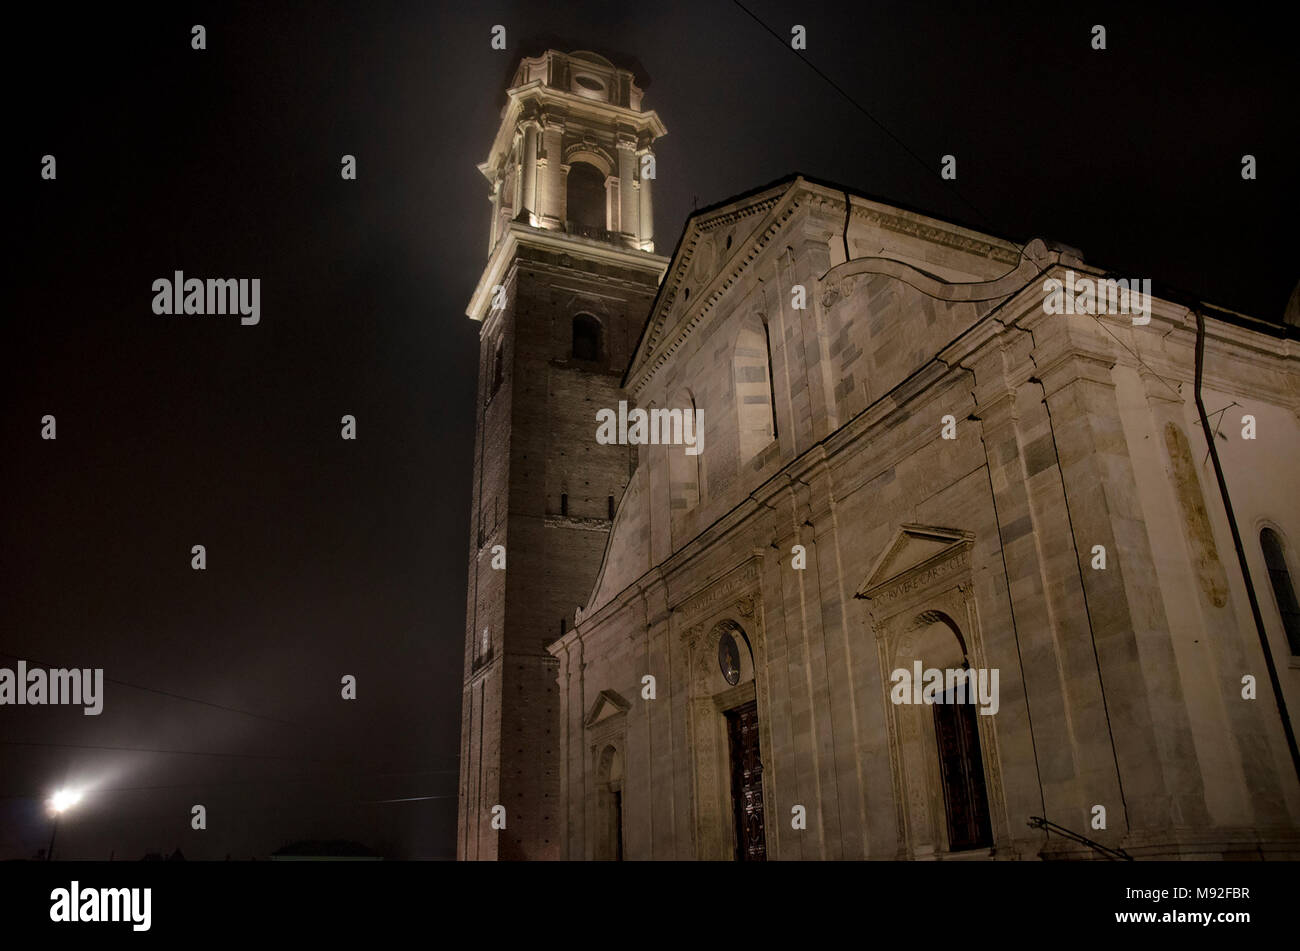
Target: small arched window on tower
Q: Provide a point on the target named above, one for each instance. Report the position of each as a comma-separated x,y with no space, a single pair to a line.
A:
586,337
1283,590
498,366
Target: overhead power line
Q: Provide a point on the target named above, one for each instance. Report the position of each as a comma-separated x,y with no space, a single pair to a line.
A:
929,167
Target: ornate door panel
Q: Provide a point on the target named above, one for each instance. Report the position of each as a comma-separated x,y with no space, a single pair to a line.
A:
747,782
965,798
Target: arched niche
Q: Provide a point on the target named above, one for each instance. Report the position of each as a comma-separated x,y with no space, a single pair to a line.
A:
684,469
752,376
609,792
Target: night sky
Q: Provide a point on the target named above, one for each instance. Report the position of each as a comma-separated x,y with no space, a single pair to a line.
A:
327,557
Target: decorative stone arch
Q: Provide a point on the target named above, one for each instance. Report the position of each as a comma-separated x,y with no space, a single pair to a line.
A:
591,154
932,617
920,605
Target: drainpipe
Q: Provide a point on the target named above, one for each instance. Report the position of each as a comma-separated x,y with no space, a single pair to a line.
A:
1241,552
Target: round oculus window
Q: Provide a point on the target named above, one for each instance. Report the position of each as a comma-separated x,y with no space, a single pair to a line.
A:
729,658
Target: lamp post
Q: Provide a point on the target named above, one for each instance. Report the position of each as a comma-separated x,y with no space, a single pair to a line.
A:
60,802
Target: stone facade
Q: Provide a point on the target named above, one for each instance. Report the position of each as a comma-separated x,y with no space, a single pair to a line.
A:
906,458
1120,686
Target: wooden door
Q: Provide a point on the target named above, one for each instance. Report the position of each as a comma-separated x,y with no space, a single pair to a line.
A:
965,797
746,782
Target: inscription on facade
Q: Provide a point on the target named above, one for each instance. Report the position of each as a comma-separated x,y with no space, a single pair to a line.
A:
743,577
914,582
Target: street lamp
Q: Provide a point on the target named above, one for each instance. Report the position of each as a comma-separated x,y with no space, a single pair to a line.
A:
60,802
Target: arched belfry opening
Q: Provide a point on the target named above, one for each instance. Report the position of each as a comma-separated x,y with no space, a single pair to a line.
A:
585,200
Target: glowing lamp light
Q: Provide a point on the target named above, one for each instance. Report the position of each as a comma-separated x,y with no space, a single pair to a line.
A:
64,800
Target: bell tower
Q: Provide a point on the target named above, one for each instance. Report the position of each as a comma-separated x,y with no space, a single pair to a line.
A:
570,278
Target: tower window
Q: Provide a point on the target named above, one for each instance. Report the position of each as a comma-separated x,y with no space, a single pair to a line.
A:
1283,590
564,503
610,501
499,365
586,337
585,196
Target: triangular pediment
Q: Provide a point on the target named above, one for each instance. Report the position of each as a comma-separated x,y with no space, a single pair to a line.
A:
716,246
913,549
608,704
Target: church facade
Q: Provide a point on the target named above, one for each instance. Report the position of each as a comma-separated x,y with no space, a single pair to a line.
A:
948,574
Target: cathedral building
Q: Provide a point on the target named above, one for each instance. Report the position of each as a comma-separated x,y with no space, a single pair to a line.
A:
978,551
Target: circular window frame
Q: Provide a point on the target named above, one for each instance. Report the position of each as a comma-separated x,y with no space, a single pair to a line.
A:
589,86
729,658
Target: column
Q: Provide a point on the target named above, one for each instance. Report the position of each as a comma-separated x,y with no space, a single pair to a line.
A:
494,231
562,212
613,208
645,230
551,176
629,197
529,170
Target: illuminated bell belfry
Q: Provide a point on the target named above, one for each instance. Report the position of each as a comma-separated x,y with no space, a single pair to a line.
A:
570,278
570,151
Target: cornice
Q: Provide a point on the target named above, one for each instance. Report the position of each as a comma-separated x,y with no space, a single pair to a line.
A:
736,581
537,95
913,224
517,235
